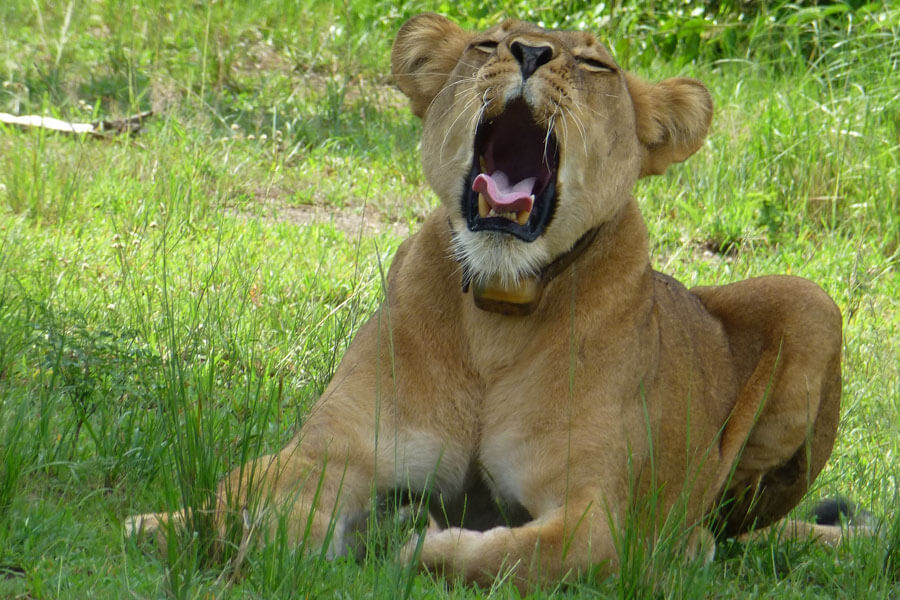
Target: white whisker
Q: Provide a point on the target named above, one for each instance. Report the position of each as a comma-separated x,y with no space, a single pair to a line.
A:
550,126
447,88
580,125
461,112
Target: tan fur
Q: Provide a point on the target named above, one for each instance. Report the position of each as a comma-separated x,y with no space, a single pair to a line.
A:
624,399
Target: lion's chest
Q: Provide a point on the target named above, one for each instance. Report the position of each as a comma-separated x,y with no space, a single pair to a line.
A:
532,451
547,419
504,458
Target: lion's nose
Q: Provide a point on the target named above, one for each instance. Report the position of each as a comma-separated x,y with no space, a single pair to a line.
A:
530,57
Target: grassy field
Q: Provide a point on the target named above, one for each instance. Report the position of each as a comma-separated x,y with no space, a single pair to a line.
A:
171,304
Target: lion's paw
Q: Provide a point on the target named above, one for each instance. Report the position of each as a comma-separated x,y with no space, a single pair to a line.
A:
438,549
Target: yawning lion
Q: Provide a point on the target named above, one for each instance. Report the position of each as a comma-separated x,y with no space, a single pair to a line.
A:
527,353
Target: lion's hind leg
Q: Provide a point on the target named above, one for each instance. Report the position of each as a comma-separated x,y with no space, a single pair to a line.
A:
831,521
785,338
796,529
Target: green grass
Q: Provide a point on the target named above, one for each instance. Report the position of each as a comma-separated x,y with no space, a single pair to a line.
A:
171,305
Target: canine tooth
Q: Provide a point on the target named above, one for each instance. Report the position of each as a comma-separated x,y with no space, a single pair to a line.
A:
482,164
484,208
522,217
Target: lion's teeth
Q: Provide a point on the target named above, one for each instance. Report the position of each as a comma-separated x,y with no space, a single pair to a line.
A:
522,217
484,208
482,164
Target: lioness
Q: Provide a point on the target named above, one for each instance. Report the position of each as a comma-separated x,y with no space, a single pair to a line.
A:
526,347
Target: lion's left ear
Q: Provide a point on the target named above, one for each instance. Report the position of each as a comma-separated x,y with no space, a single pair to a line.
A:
426,50
672,117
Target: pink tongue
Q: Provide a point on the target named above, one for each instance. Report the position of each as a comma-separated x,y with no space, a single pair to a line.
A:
503,197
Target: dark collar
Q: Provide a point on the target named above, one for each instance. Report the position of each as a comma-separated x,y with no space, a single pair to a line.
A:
521,299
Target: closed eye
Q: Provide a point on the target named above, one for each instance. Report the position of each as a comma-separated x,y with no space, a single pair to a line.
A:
487,46
594,65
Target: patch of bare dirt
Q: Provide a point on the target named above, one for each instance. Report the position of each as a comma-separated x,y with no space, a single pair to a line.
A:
351,221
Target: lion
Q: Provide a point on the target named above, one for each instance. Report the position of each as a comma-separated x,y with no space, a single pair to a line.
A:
528,370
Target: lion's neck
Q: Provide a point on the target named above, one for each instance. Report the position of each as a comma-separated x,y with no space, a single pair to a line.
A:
615,269
612,255
609,279
620,257
524,296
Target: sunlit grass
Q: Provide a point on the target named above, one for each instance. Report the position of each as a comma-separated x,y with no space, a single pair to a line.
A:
171,305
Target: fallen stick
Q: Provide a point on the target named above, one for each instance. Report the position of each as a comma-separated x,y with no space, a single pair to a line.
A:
99,129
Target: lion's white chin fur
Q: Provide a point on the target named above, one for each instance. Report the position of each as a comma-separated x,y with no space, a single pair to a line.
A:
496,257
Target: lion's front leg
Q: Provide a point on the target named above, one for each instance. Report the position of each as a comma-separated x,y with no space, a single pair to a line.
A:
300,486
314,493
550,548
327,500
321,485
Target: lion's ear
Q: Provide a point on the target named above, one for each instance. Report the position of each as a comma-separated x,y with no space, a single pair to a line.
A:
426,50
673,118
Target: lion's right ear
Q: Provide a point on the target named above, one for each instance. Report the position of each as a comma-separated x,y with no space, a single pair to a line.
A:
426,50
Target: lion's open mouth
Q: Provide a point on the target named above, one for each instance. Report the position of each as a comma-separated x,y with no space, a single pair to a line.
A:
512,184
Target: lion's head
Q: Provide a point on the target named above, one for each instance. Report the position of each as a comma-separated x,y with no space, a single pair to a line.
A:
531,137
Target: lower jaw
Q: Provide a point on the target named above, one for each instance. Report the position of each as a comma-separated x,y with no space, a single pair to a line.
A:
535,222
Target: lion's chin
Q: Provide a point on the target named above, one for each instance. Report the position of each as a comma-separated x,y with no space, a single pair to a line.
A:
496,258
